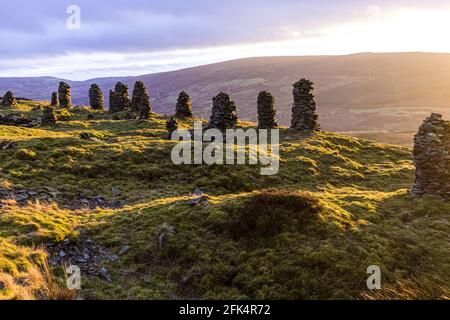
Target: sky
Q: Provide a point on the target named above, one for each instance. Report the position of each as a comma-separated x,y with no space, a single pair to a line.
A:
84,39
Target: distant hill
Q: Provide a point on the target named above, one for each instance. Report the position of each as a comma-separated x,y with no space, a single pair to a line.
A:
362,92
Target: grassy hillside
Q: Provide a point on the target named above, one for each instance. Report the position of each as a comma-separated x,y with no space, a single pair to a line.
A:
338,205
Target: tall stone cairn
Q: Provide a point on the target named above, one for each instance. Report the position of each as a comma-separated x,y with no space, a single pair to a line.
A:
64,95
432,157
48,116
171,126
266,111
96,97
183,109
8,100
304,116
140,102
119,99
54,103
223,113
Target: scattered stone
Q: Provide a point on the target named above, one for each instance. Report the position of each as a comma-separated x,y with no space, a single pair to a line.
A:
119,98
140,101
115,192
199,198
304,116
124,250
171,126
183,109
96,97
55,100
104,273
197,192
85,136
5,145
64,95
266,111
8,100
62,254
165,231
432,157
48,117
223,113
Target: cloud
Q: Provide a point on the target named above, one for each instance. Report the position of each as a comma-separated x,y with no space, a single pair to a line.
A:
35,38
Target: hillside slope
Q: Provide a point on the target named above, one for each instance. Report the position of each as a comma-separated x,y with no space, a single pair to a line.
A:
118,207
362,92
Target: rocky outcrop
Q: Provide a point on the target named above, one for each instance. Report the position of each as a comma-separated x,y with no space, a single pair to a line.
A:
304,116
17,120
96,97
140,102
64,95
432,157
223,113
119,98
8,100
266,111
183,109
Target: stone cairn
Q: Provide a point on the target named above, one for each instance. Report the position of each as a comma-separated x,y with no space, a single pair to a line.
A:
54,103
171,126
304,116
48,116
96,97
119,99
8,100
140,102
64,96
183,109
223,113
432,157
266,111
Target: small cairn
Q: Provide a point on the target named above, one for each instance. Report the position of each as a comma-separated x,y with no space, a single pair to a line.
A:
432,158
96,97
266,111
64,95
54,103
119,99
183,109
140,102
8,100
171,126
304,116
223,112
48,116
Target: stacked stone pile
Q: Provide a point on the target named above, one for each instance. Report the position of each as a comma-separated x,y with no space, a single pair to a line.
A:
96,97
8,100
223,112
183,109
266,111
140,102
48,117
54,103
64,95
432,157
171,126
304,116
119,98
